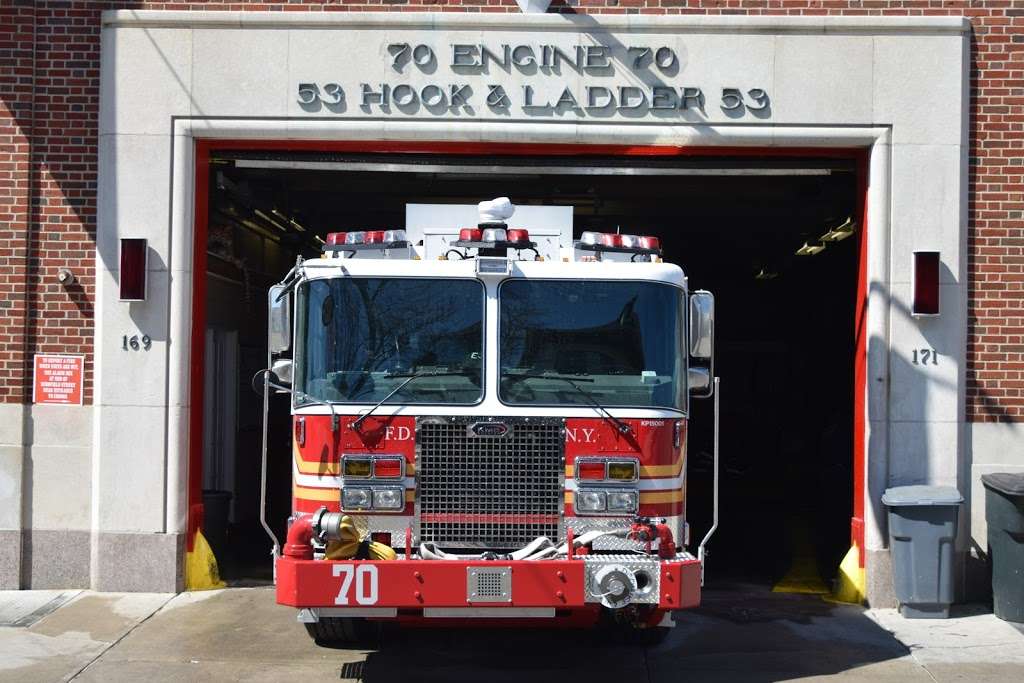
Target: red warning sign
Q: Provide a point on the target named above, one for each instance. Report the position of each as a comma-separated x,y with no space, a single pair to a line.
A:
57,379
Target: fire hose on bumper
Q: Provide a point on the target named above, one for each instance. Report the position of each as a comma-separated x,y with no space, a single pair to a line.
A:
542,574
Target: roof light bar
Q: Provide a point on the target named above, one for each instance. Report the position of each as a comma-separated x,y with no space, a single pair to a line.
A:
359,240
620,244
494,238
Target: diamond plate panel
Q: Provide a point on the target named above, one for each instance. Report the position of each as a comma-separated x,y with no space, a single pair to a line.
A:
650,567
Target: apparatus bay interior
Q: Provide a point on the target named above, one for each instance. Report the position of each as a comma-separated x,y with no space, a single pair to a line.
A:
784,322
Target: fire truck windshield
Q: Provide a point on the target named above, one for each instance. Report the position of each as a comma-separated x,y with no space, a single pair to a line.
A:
361,339
624,339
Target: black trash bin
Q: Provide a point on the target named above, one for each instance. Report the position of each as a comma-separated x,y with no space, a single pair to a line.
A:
1004,515
922,530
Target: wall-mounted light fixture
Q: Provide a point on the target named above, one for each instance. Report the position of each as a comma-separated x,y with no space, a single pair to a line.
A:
65,277
134,253
925,277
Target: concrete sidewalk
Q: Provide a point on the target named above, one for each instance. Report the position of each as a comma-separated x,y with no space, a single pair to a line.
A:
743,633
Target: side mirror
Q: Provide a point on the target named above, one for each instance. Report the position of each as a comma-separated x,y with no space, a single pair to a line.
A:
279,315
702,344
699,381
282,370
268,378
702,325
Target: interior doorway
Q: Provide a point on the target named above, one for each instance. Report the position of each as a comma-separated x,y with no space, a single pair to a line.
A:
737,224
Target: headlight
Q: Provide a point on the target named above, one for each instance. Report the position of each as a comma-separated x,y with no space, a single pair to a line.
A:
590,501
622,501
355,498
388,499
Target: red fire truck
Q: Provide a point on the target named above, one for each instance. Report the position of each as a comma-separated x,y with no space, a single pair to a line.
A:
487,432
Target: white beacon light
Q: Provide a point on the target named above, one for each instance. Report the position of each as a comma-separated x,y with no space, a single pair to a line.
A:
356,237
495,235
394,236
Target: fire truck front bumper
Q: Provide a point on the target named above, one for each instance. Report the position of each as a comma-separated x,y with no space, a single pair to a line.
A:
476,588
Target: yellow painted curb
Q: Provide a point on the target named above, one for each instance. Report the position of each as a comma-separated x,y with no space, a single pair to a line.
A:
851,582
201,573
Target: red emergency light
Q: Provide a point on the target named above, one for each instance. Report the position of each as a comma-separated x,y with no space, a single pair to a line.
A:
336,238
470,234
374,237
649,242
518,235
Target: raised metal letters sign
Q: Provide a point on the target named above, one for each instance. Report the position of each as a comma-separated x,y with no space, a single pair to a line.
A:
501,79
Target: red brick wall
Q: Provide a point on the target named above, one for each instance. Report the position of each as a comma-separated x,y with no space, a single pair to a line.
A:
49,86
48,121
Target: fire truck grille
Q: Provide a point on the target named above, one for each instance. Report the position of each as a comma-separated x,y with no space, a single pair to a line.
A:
478,488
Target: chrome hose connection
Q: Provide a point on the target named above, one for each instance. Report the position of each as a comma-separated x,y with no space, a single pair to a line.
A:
617,585
327,525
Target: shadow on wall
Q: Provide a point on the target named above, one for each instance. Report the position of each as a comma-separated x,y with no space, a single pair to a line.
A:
921,384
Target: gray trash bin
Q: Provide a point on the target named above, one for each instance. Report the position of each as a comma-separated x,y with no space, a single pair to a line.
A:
922,528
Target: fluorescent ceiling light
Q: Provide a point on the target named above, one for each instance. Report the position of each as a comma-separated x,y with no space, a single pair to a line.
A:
810,250
270,220
840,232
524,171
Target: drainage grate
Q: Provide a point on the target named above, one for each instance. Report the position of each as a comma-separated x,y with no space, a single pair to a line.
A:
20,609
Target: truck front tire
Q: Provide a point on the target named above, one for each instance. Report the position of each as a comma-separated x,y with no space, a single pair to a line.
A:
344,631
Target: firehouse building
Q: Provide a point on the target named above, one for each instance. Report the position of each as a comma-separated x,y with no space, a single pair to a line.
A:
844,176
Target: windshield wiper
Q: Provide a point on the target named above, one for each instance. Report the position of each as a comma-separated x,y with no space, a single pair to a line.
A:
571,381
415,375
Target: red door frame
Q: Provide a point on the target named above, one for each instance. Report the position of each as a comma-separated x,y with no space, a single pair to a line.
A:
203,148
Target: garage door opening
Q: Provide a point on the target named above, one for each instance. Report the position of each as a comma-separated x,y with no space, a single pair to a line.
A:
747,228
